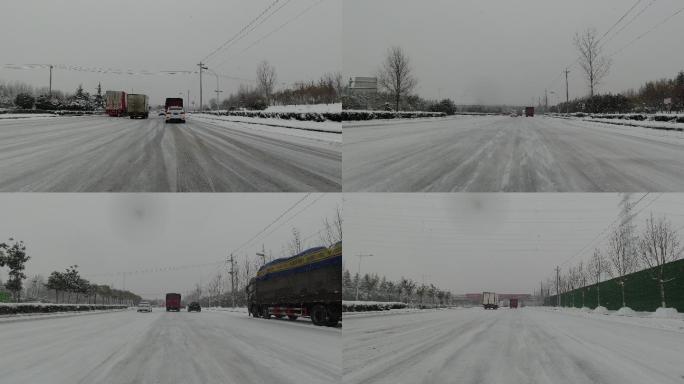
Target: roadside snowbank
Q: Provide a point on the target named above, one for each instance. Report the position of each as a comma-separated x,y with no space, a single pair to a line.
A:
667,319
12,116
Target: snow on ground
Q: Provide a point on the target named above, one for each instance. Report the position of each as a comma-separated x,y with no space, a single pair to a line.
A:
169,347
7,116
318,108
659,319
526,346
327,131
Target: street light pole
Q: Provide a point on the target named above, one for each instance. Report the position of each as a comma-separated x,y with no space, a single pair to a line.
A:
201,67
358,274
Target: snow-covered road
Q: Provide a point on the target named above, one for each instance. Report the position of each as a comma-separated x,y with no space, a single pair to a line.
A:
514,154
525,346
170,348
105,154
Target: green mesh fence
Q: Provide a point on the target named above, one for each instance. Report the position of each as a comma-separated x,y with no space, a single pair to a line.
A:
642,292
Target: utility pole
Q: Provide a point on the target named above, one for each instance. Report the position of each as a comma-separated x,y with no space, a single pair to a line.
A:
201,67
188,102
360,255
567,93
546,101
50,88
231,260
557,287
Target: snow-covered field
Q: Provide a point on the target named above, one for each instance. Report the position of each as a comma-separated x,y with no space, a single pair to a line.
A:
278,125
168,347
526,346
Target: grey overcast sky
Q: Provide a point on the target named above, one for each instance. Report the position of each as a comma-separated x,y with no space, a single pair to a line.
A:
106,234
477,242
507,52
159,35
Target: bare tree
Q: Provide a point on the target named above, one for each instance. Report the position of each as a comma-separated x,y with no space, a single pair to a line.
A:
596,268
396,75
266,78
332,231
296,244
581,272
659,244
592,60
622,259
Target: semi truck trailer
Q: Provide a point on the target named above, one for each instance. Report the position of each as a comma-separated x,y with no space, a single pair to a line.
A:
529,111
138,106
115,103
490,300
308,284
173,302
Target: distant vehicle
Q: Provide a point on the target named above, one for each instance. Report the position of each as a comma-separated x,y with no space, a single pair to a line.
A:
194,306
173,102
514,114
308,284
144,306
138,106
490,300
115,103
173,302
513,303
529,111
162,113
176,114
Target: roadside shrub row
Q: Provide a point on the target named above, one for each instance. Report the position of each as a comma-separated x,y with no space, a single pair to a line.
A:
367,306
674,118
353,115
43,111
52,308
318,117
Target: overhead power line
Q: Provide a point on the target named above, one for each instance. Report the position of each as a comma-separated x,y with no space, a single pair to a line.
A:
240,32
283,25
605,230
661,23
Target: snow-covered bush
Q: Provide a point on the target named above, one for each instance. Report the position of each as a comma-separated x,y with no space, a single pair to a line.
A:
355,115
300,116
13,309
366,306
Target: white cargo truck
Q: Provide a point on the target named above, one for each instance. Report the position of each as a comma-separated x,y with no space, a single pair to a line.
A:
490,300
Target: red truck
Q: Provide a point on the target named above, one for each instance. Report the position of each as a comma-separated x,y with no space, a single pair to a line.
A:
529,111
173,102
115,103
513,303
173,302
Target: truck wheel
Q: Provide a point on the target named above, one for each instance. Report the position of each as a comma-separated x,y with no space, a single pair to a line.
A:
292,318
278,316
264,313
319,315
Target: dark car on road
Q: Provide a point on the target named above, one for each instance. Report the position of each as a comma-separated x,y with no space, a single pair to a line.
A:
194,306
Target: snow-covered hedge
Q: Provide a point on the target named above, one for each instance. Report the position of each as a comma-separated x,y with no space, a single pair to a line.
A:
41,112
355,115
673,118
291,115
13,309
366,306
